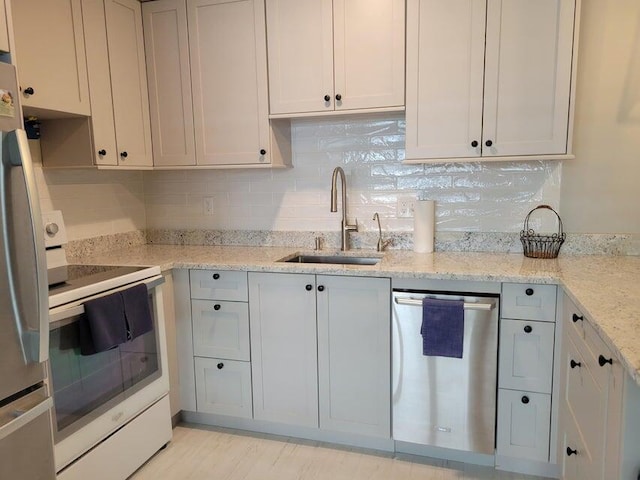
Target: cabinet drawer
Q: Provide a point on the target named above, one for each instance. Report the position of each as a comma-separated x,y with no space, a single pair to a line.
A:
526,355
523,424
529,301
219,285
220,329
223,387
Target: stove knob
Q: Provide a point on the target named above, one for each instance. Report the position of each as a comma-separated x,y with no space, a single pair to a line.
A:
51,229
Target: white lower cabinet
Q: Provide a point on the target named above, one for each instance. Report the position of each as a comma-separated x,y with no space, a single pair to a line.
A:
220,342
523,424
284,348
592,402
525,419
223,387
353,355
324,360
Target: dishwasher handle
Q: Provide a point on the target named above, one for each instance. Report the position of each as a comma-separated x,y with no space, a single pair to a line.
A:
417,302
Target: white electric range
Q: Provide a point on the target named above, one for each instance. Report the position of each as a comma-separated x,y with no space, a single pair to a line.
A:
110,404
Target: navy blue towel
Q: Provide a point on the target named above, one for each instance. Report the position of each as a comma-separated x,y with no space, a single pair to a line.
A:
137,311
104,325
442,327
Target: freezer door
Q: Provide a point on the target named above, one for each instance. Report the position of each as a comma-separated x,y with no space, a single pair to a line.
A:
26,441
23,283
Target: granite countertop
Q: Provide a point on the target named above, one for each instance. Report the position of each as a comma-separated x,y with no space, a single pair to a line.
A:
605,288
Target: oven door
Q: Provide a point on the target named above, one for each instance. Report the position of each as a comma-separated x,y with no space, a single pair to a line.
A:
94,395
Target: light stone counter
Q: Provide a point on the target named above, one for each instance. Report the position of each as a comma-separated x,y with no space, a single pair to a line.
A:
605,288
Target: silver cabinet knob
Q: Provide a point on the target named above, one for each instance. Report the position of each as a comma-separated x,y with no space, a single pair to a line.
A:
51,229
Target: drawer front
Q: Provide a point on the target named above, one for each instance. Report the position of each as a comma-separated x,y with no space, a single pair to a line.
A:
529,302
523,425
526,355
220,329
223,387
219,285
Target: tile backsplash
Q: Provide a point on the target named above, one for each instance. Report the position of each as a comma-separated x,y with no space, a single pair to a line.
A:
474,197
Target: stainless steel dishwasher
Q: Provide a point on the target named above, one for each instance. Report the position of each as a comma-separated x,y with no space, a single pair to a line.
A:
442,401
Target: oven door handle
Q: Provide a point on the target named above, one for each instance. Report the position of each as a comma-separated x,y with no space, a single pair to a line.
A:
63,312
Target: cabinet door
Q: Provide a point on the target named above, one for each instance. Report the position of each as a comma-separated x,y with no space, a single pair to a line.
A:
223,387
526,355
227,42
585,404
103,129
50,55
524,420
575,458
129,82
300,50
369,55
445,68
167,55
354,367
527,76
284,364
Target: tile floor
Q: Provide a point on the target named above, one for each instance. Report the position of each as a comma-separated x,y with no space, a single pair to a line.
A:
200,452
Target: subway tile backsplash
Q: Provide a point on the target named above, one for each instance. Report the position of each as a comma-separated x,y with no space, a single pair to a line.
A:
474,197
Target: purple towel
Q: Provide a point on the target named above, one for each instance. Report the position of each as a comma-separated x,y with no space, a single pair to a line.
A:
104,325
442,327
137,311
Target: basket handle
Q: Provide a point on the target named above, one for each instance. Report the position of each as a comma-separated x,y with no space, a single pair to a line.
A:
526,220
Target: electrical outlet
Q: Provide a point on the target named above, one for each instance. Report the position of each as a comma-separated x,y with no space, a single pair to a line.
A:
208,205
404,208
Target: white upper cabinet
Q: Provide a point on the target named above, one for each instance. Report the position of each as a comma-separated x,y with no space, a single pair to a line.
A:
50,56
328,56
489,78
128,82
118,81
207,70
167,51
227,44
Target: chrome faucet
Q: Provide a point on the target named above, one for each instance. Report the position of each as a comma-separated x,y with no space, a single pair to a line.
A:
381,243
345,226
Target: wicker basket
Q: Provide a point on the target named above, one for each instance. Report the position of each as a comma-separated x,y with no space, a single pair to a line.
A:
541,246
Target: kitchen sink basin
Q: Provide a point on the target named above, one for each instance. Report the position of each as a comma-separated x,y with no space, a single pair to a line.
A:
332,259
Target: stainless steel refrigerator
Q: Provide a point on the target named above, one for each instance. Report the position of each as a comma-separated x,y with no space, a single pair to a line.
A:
26,439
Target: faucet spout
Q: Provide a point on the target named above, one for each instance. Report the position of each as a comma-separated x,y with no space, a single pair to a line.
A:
345,226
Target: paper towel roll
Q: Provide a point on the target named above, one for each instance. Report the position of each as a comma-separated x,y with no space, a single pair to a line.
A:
424,220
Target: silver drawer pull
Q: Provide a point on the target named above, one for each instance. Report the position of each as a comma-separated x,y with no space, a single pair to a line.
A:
416,302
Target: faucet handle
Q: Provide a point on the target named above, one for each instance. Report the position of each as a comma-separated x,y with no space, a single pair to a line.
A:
351,228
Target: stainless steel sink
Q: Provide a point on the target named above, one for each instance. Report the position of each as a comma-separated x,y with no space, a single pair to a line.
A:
332,259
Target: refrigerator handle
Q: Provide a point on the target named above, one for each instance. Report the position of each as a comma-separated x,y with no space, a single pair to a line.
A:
34,333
